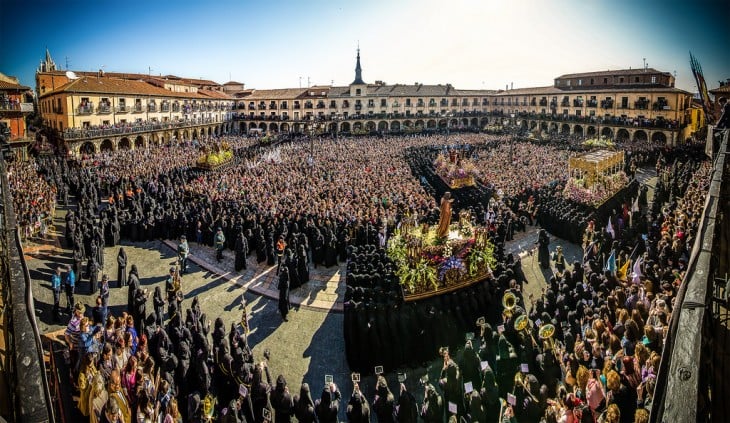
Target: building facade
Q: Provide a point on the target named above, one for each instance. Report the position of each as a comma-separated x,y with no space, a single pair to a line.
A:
16,103
93,112
626,104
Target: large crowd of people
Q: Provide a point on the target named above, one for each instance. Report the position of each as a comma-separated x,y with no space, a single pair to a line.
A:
305,204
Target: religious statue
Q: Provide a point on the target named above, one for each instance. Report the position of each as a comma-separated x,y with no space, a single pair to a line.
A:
444,215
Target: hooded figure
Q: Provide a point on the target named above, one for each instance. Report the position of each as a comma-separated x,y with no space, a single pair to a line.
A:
304,406
358,409
284,292
121,267
384,404
328,405
282,402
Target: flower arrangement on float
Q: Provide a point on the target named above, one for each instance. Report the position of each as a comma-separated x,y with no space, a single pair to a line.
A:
599,142
426,263
595,193
215,156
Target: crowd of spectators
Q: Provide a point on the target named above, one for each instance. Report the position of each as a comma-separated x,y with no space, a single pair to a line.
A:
331,194
34,197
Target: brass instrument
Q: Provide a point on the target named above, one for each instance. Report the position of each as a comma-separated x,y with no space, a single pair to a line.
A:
546,334
177,283
524,324
509,302
520,380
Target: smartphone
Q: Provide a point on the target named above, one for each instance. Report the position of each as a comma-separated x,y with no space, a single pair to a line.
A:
355,377
328,379
401,377
379,370
267,414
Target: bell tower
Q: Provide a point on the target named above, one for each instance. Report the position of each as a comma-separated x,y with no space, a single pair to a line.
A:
358,87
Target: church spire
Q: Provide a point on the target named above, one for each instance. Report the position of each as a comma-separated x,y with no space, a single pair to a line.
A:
358,69
47,65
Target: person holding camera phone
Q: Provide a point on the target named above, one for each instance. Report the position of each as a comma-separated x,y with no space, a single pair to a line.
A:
358,408
384,402
327,407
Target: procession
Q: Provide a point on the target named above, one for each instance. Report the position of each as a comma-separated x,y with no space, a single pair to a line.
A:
588,346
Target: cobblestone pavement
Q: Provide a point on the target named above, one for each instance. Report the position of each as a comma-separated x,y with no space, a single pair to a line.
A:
305,348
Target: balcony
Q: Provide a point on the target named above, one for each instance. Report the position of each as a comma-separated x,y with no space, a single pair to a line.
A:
641,104
297,106
138,108
565,103
607,104
9,106
85,133
308,105
358,107
84,110
533,103
660,105
165,108
272,106
104,109
553,104
577,103
176,108
122,109
151,108
591,103
543,102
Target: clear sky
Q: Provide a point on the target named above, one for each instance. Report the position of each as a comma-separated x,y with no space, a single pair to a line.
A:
272,44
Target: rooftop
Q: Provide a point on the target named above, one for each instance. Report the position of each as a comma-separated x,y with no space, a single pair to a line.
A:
612,72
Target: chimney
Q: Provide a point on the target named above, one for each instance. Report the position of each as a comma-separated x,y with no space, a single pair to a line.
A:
511,85
506,87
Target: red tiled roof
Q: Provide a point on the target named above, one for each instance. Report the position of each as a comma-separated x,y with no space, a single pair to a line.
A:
8,86
612,72
105,85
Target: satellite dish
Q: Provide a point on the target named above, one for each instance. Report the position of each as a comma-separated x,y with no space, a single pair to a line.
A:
71,75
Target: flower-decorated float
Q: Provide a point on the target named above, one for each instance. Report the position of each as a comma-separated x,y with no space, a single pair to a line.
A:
455,170
595,177
215,156
429,265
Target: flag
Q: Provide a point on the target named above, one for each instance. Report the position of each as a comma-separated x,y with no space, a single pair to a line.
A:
609,229
702,88
611,263
623,271
636,273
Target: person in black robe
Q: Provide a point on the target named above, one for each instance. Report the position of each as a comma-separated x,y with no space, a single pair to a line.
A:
284,293
330,253
93,276
302,265
543,253
78,258
140,310
291,263
282,401
133,286
158,303
241,249
270,252
121,267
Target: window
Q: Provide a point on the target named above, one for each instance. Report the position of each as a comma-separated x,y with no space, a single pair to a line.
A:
105,122
408,102
358,91
653,79
580,82
636,79
591,81
383,102
605,81
569,82
621,80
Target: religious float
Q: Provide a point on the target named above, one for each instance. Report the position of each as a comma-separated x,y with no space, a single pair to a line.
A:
455,170
428,264
215,156
595,177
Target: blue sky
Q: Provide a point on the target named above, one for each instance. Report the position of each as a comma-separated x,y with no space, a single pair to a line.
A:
272,44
